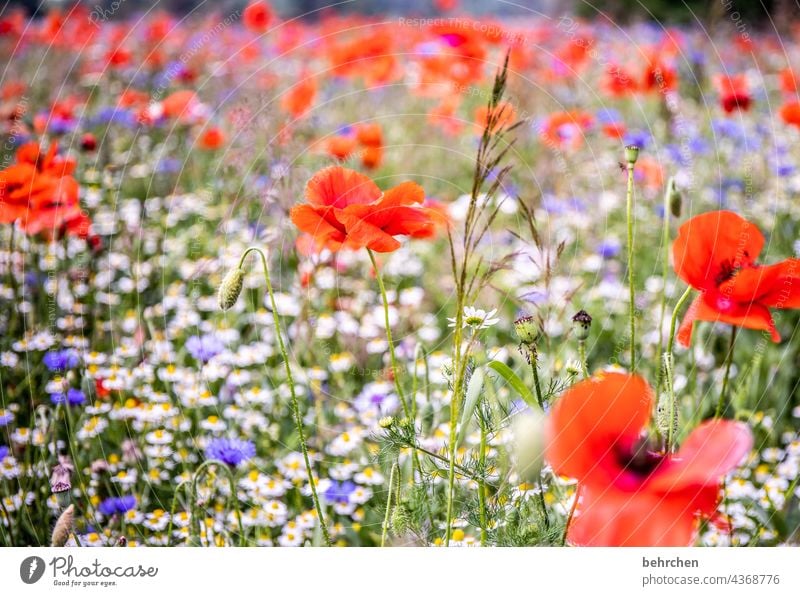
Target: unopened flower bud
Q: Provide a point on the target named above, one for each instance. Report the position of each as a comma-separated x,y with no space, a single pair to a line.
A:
386,422
675,199
527,330
663,418
631,154
400,521
528,431
230,288
581,324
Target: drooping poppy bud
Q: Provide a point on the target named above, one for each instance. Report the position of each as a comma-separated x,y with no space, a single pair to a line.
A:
230,288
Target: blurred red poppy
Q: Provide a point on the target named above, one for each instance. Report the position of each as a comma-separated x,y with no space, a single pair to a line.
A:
630,493
734,93
715,253
257,17
39,192
346,209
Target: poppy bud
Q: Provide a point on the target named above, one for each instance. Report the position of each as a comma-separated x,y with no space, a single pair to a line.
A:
88,142
527,330
631,154
675,199
663,416
230,288
400,520
581,324
528,431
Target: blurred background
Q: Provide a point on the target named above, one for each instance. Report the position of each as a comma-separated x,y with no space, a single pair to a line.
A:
767,12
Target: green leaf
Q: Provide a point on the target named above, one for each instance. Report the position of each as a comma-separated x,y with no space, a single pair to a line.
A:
516,383
474,390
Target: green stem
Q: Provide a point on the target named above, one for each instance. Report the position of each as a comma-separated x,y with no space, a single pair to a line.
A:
536,385
571,514
631,276
388,506
482,482
182,484
298,419
729,359
664,276
668,362
582,358
396,377
195,522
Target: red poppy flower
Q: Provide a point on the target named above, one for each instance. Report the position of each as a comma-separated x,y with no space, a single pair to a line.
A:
631,495
211,139
39,192
565,130
716,253
734,93
347,209
257,17
299,99
790,113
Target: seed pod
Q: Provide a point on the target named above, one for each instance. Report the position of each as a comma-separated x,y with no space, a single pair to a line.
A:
527,330
581,324
631,154
230,288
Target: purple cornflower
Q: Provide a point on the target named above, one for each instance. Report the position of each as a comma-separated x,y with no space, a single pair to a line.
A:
3,452
204,348
73,397
60,360
120,505
231,451
339,492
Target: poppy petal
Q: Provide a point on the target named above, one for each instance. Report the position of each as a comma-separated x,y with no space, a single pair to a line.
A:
338,187
590,418
712,244
319,222
716,308
608,517
776,286
711,451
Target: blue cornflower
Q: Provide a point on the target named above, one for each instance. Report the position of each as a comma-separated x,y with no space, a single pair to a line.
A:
3,452
120,505
608,249
231,451
60,360
5,417
639,138
73,397
339,492
204,348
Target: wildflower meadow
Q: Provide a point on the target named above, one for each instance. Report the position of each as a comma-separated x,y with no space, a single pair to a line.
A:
364,278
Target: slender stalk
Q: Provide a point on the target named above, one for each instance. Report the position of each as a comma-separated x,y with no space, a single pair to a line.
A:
571,514
664,275
582,358
298,419
396,377
388,506
195,522
725,379
536,385
631,276
482,482
667,358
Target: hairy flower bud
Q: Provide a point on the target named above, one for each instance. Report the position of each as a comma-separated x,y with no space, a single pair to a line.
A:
663,416
400,520
230,288
63,527
528,431
581,324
